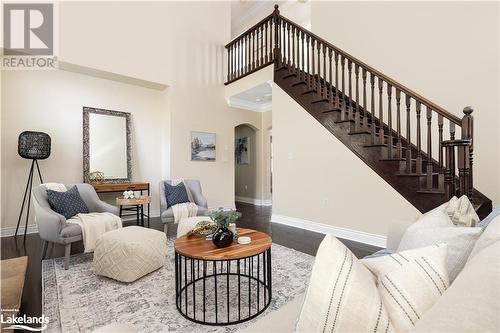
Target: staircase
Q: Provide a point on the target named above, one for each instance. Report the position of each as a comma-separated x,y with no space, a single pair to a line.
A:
419,148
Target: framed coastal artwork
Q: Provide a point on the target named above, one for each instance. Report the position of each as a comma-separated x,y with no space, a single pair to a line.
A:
242,152
202,146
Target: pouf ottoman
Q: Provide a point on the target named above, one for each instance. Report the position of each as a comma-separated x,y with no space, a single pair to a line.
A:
127,254
188,224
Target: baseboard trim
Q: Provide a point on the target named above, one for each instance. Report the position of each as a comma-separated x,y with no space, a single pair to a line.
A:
253,201
10,231
350,234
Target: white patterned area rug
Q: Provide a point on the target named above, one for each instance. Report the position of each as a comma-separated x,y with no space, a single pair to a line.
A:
77,300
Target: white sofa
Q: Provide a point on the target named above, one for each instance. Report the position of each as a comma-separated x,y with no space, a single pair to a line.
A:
470,304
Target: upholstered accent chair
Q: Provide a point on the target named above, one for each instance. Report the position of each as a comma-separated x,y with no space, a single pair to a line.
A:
166,213
54,229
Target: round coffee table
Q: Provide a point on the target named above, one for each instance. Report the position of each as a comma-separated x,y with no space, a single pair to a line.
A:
223,286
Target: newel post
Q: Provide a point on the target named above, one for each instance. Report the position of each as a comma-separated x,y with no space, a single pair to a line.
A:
467,133
277,30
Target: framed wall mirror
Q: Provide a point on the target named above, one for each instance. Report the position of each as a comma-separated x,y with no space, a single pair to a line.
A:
106,146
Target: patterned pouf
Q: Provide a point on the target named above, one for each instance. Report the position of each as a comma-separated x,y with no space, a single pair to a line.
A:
129,253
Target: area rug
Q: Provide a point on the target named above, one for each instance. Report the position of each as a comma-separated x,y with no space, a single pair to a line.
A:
77,300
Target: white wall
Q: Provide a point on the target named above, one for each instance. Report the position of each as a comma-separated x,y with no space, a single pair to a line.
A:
52,102
317,178
446,51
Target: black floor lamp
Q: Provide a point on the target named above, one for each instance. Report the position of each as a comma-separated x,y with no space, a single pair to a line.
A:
34,146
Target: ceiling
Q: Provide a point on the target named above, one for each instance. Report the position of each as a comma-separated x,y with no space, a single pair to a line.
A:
258,98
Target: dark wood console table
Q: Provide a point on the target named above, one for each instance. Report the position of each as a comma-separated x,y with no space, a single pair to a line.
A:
120,187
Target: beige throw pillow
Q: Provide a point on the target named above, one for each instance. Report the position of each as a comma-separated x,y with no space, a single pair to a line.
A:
436,227
342,295
410,282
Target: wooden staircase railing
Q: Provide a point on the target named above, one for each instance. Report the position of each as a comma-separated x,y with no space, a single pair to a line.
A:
377,105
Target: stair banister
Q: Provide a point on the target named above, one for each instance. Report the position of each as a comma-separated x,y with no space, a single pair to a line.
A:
314,62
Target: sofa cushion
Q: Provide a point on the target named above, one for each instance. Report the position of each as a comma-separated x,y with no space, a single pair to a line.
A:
342,295
471,304
176,194
462,212
410,282
436,227
68,203
490,235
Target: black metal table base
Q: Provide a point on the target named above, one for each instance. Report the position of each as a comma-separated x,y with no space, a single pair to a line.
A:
223,292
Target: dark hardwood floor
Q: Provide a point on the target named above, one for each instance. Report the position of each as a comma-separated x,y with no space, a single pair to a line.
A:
255,217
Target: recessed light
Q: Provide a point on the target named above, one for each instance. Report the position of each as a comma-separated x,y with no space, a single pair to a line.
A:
258,100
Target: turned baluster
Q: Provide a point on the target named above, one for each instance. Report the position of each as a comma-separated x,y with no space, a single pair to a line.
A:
330,85
303,68
365,110
440,155
298,53
343,107
325,92
312,78
284,45
249,52
350,108
318,79
308,40
357,116
429,149
468,133
254,63
449,171
293,48
408,134
337,95
389,120
263,43
380,111
228,64
398,123
288,45
418,163
372,105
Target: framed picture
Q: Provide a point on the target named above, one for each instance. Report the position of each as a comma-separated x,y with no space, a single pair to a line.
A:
202,146
242,150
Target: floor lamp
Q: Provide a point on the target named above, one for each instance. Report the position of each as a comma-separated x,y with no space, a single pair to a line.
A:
34,146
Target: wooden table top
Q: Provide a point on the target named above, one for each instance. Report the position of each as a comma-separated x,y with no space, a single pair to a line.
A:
120,187
141,200
197,247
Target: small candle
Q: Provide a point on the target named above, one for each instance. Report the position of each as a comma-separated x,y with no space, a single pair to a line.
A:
232,227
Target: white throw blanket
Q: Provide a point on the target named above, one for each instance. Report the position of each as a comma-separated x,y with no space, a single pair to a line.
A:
94,225
58,187
184,210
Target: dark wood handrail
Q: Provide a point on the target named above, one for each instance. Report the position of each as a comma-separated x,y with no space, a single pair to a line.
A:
380,75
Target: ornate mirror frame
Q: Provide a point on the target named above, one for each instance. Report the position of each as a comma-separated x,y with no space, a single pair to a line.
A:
86,148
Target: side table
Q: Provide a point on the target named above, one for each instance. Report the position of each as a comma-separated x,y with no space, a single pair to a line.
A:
135,204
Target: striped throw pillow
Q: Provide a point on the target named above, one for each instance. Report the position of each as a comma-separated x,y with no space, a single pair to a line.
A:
342,295
410,282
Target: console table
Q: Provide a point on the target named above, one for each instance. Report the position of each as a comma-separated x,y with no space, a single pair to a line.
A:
120,187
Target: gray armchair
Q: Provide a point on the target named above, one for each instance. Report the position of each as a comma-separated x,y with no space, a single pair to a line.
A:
52,226
166,213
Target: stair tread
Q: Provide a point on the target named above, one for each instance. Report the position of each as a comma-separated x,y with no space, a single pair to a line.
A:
298,83
331,110
432,191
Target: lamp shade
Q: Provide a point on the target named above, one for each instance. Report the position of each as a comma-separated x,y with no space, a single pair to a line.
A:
34,145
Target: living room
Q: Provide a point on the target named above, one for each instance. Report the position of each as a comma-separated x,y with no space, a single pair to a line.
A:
212,132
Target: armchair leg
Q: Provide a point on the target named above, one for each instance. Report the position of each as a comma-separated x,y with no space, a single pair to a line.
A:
44,251
67,252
